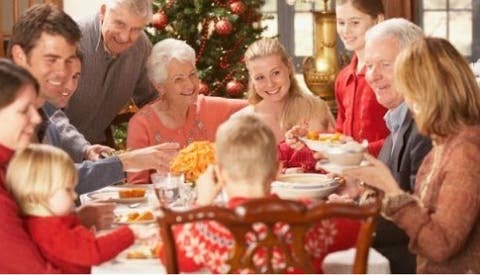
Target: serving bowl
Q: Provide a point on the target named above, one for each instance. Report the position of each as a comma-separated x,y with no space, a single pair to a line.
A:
296,186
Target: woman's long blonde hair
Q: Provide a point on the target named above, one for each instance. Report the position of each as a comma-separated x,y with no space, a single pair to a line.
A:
437,80
299,105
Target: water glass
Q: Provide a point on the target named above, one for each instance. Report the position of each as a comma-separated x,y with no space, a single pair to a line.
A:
166,187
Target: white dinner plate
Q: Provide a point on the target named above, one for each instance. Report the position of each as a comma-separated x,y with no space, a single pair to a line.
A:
114,197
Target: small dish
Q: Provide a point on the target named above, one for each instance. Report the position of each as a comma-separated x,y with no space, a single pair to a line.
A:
138,254
336,168
113,196
135,217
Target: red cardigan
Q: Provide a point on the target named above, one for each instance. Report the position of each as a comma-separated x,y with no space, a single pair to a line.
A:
359,113
204,246
72,247
18,253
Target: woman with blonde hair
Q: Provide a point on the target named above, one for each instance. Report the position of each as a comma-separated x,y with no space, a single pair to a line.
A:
442,216
42,180
274,93
276,97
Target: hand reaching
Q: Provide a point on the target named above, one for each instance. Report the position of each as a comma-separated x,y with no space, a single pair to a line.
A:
93,152
292,137
377,175
157,157
97,214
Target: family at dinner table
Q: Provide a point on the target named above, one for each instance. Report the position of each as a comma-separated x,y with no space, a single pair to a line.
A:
414,98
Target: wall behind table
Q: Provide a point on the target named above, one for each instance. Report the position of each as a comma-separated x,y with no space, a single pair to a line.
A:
81,8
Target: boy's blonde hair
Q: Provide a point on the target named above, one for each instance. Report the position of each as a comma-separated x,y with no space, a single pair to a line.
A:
300,106
437,79
246,149
35,173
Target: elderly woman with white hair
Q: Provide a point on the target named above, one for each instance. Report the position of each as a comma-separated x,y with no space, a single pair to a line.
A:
180,114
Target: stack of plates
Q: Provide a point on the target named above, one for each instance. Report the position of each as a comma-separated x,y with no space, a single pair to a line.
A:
295,186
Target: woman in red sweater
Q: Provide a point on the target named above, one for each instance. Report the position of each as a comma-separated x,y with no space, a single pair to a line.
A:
42,179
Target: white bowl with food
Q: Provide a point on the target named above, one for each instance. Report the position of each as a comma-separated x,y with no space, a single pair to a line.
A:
349,154
296,186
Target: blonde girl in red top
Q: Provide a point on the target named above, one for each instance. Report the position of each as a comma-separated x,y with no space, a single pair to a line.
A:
359,113
42,180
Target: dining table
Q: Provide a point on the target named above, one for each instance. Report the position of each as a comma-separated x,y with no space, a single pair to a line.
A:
335,263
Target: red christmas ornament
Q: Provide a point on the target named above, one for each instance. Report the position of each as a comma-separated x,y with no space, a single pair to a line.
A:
204,89
238,7
223,27
234,88
160,20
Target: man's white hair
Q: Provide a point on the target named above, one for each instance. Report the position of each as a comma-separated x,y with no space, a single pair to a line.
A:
142,8
404,31
162,53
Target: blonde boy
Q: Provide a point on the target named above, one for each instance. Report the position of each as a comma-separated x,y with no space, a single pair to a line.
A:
247,161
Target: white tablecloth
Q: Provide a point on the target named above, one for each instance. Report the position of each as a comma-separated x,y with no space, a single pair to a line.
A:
338,262
335,263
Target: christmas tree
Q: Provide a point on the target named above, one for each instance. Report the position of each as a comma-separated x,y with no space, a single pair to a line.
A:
219,31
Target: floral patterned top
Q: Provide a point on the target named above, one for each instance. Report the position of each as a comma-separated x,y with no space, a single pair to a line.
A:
205,246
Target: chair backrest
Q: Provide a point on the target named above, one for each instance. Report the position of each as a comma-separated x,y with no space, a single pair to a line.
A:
270,211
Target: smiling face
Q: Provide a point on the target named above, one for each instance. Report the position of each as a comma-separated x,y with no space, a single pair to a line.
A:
120,28
352,25
19,119
270,77
380,55
182,83
50,62
72,83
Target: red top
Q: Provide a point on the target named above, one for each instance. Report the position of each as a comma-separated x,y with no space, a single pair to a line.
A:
203,118
18,253
73,248
359,113
205,246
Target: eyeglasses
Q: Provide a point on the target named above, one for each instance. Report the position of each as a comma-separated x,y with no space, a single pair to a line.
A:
182,80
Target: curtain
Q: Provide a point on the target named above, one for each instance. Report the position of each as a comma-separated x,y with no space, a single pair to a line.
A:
402,8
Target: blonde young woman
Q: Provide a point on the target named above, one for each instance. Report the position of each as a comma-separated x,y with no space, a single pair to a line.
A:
275,96
441,218
180,114
42,180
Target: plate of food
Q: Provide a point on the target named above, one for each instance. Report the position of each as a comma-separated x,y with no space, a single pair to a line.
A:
134,217
121,195
140,253
322,142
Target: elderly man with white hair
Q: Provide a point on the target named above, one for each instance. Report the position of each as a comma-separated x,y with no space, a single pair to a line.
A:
404,149
115,50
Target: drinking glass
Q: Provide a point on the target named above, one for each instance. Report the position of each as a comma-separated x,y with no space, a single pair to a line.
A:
166,187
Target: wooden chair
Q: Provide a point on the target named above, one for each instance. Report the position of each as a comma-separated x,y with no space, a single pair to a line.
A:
269,212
